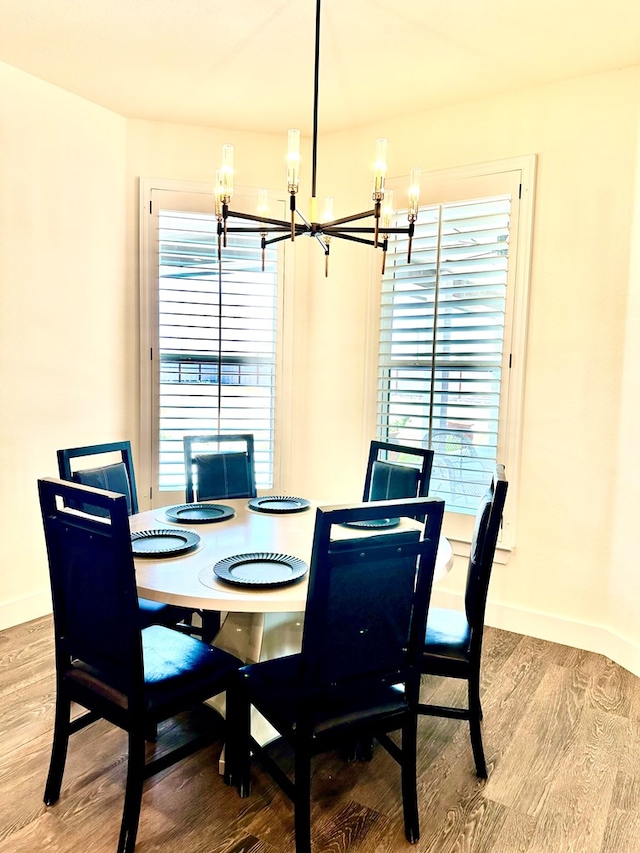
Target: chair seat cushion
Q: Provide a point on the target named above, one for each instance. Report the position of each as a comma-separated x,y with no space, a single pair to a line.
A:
448,634
176,665
178,670
274,688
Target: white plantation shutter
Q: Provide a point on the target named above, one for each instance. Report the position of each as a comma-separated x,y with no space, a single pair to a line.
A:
443,390
217,340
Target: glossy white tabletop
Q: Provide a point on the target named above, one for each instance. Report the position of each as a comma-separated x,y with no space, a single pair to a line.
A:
189,580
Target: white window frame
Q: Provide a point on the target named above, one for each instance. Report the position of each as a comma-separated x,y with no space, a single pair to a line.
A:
458,527
146,468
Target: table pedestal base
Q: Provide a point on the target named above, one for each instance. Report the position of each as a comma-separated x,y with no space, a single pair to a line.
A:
255,637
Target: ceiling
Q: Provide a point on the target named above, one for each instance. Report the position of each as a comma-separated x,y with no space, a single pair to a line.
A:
248,64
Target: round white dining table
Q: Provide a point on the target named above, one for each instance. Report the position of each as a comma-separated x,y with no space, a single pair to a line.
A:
189,580
259,623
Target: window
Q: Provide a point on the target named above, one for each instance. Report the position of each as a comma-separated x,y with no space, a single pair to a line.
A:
212,361
451,333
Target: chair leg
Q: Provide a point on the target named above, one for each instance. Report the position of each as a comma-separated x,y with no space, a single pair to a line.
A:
302,799
59,748
475,729
238,738
409,780
365,748
133,793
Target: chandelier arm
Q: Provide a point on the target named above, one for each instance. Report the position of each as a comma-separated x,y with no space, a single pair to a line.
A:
341,236
239,230
307,226
353,218
364,230
250,217
280,239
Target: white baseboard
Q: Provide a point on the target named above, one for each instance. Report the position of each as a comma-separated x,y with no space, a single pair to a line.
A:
581,635
24,609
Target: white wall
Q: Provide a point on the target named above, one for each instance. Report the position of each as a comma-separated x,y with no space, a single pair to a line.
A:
571,577
66,319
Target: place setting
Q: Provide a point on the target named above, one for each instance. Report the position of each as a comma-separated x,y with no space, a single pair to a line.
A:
279,503
260,569
163,542
197,513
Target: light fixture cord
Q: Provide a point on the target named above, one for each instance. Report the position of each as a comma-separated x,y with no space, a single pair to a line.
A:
314,150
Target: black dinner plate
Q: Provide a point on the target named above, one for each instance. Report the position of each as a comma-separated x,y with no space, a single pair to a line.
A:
279,503
373,523
260,569
203,513
162,542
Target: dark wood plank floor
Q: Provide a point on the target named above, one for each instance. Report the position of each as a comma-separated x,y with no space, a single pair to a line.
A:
561,730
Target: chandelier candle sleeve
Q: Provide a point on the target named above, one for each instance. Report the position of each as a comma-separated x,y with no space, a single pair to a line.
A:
293,161
387,219
293,173
414,193
263,210
217,194
387,210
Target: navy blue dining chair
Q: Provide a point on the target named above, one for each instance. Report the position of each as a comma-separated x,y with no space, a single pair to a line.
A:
358,674
214,471
133,677
397,471
78,464
453,638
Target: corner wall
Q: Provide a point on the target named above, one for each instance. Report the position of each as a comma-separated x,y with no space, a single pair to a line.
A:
66,318
572,577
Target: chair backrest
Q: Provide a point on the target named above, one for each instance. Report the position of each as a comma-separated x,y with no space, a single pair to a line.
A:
116,476
483,548
397,471
366,607
214,470
95,602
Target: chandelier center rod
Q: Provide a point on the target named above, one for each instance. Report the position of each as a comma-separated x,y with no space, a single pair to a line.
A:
316,88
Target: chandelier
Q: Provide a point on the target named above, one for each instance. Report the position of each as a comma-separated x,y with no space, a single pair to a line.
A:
324,229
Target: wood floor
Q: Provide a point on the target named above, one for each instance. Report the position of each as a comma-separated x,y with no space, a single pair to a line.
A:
561,731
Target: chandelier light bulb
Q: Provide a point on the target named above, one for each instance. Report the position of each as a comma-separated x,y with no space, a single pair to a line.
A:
414,193
293,160
379,169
